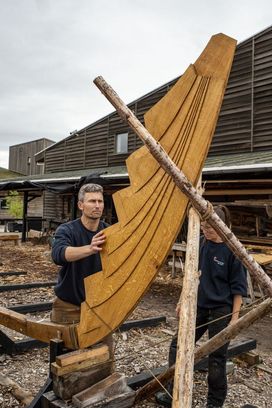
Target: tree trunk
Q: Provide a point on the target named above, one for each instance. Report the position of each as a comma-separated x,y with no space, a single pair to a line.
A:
19,393
184,371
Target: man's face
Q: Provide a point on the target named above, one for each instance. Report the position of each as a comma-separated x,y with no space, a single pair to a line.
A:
92,206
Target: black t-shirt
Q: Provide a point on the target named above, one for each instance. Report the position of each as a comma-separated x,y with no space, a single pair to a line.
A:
222,275
70,286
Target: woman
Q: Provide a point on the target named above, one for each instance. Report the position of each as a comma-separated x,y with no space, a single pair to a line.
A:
221,288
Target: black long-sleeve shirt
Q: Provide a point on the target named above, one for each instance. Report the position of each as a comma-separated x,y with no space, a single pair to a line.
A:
70,285
222,275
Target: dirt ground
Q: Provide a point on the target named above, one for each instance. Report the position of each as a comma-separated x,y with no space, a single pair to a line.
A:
137,349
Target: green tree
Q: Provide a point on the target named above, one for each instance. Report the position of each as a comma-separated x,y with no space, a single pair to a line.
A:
15,204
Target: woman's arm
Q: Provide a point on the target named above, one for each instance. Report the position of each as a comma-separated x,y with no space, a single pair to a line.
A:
237,303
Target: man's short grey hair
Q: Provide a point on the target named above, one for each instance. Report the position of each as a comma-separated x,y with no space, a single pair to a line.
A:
89,188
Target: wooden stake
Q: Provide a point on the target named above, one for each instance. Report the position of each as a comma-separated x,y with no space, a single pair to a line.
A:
203,207
184,371
211,345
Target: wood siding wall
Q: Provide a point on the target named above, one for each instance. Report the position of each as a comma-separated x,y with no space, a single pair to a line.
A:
56,206
245,121
21,157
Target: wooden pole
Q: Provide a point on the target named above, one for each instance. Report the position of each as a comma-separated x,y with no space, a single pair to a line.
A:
203,207
184,371
211,345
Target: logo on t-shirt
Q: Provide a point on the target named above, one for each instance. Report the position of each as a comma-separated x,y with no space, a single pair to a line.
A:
218,261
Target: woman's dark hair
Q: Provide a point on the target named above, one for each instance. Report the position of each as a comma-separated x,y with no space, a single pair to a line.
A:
223,213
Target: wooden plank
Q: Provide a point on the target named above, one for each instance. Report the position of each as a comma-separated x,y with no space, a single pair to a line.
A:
261,248
112,391
9,236
78,356
142,323
72,368
11,347
7,288
12,273
262,259
78,360
31,307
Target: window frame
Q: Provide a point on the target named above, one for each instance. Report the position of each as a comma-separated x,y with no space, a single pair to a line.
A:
116,143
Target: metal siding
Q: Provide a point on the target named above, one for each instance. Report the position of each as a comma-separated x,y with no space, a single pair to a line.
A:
19,154
245,120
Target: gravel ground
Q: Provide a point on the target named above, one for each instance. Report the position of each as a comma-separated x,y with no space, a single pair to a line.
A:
136,350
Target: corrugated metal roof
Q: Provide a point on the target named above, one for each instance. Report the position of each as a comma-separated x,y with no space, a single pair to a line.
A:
71,175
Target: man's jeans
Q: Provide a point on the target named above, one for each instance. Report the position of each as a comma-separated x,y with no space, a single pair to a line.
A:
217,378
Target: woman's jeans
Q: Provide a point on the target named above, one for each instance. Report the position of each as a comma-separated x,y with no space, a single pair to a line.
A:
217,377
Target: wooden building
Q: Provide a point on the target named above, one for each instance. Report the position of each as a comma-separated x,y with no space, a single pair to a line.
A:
22,156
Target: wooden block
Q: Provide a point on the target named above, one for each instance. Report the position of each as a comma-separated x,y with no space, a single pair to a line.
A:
97,354
110,392
251,358
67,385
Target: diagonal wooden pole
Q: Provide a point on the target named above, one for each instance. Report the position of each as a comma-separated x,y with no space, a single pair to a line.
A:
184,368
202,206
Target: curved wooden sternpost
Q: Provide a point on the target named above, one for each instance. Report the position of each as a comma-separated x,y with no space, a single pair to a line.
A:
151,210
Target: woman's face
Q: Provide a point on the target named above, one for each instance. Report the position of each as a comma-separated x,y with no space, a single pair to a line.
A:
210,233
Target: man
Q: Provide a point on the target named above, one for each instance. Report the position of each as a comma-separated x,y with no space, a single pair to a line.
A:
76,248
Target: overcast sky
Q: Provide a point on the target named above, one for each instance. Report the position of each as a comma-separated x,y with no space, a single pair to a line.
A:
51,50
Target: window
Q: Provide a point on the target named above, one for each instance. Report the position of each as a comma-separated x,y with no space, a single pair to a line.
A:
121,143
3,204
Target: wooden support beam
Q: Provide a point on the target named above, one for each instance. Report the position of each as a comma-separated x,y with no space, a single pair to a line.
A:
211,345
184,371
40,330
142,323
7,288
12,273
203,207
12,347
38,401
31,307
